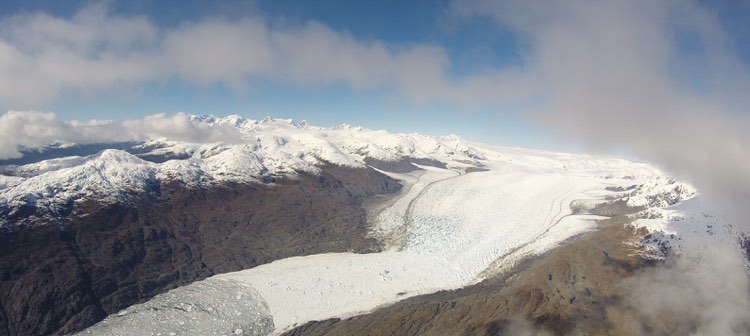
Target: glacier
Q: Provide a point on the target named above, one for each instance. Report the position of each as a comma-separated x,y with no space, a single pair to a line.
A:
477,213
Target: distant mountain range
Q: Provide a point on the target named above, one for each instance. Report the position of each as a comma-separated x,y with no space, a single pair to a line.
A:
87,230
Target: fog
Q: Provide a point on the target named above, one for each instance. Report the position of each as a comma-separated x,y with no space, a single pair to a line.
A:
617,75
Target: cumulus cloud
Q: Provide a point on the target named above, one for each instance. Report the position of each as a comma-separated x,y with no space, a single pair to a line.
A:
29,129
43,57
216,51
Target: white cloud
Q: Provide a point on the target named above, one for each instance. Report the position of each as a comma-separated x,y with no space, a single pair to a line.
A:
178,127
705,295
20,129
614,74
43,57
219,51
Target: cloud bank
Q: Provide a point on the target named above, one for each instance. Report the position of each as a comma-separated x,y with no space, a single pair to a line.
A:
662,80
29,129
657,78
43,57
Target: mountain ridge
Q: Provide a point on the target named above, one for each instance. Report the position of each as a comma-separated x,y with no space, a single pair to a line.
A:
123,225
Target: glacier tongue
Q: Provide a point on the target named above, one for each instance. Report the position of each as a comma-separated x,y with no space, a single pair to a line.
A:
209,307
449,227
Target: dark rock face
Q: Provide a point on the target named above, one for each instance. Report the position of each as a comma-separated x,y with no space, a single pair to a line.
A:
745,245
62,277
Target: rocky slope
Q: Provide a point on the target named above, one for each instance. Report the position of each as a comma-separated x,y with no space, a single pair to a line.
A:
63,276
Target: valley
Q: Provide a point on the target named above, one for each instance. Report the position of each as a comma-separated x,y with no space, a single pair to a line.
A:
338,225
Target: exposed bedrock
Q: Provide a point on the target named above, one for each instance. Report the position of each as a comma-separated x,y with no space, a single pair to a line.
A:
61,277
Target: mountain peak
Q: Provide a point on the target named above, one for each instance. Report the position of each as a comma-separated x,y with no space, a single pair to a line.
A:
267,148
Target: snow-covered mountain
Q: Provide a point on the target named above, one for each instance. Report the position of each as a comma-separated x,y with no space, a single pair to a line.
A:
270,148
465,212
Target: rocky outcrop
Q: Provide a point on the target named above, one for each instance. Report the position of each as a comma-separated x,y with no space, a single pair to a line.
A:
63,276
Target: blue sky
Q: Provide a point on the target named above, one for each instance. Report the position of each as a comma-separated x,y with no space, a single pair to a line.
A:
393,22
436,67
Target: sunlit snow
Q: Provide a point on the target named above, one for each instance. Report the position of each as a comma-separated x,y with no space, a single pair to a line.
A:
449,227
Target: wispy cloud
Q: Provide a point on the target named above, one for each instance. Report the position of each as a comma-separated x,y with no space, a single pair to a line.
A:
706,296
617,74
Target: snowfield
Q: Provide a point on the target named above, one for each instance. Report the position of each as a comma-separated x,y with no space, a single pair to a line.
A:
489,207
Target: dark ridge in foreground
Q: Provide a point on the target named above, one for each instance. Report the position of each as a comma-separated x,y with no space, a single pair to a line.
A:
64,276
571,290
